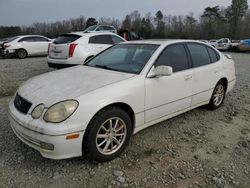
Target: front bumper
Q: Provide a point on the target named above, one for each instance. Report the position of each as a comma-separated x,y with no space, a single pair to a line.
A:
53,147
6,52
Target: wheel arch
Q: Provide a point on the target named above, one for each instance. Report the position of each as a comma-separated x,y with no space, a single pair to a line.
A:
127,108
225,81
22,49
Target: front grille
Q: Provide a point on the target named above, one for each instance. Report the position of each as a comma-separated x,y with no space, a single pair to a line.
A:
21,104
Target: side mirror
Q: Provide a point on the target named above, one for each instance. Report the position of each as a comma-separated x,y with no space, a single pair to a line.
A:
160,70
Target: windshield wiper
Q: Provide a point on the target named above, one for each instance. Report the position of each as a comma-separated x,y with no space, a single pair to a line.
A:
104,67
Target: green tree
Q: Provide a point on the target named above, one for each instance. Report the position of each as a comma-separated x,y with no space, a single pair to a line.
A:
234,14
210,16
90,22
160,25
126,24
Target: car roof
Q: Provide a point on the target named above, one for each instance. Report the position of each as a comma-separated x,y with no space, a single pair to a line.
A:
91,34
161,41
30,36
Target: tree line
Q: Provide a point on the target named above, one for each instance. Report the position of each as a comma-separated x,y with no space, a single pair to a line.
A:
215,22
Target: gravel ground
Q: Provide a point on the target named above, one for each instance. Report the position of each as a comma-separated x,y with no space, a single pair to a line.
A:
200,148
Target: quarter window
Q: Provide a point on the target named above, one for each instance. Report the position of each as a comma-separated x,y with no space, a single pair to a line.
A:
174,56
40,39
199,54
213,55
101,39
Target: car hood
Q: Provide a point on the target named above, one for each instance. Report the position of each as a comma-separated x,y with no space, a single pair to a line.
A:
68,83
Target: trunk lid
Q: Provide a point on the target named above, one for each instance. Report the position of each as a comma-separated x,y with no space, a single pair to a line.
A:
59,49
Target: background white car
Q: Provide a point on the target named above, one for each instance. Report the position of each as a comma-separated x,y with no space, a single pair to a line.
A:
76,48
100,28
26,45
97,107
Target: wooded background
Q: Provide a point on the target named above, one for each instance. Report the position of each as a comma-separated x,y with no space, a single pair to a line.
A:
215,22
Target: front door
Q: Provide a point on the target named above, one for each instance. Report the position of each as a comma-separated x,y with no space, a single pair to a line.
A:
168,95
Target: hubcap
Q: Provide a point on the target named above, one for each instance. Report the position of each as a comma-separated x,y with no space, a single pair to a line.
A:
218,95
111,136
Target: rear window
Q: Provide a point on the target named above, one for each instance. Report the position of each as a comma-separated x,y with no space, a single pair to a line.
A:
66,38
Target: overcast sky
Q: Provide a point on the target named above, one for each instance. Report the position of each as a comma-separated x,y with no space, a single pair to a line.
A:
26,12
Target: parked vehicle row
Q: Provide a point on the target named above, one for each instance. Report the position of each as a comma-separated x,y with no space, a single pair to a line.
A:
31,45
231,45
94,109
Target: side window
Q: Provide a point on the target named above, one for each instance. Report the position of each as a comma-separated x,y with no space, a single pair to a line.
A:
27,39
40,39
174,56
100,28
101,39
213,55
116,39
107,28
199,54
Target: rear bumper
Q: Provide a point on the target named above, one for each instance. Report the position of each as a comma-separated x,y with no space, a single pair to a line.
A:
60,65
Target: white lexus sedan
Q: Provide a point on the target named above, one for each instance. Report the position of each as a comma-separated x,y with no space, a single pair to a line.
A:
93,109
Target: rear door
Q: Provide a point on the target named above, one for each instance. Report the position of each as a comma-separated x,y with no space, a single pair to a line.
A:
59,49
207,71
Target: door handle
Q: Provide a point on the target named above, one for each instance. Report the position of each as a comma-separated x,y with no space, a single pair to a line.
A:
188,77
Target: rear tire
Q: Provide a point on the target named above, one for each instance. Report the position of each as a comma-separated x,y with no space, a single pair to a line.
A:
21,53
218,96
107,135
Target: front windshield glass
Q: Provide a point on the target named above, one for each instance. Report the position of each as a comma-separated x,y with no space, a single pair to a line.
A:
130,58
91,28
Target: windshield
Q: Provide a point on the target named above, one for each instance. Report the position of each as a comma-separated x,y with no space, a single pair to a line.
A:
91,28
9,39
130,58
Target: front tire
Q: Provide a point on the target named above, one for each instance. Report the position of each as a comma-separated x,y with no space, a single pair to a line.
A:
21,54
108,134
218,96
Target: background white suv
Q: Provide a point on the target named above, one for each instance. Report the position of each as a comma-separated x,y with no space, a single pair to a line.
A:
26,45
100,28
76,48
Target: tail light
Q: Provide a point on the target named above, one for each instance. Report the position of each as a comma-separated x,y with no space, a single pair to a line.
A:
49,47
72,49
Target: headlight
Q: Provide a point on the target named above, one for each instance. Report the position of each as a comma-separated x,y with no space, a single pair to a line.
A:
60,111
37,111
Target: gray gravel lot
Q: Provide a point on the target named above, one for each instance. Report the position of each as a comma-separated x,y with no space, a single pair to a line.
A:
200,148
